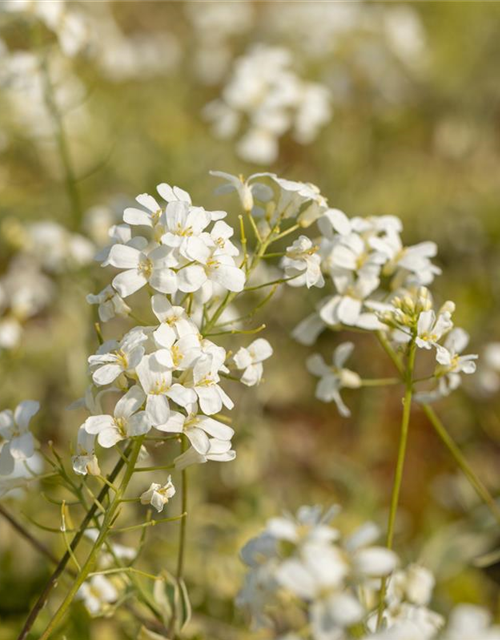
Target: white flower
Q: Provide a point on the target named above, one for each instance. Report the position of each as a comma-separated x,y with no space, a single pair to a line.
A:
415,259
158,495
347,306
219,451
174,320
96,593
85,461
246,189
183,221
113,359
250,359
309,525
16,439
156,381
489,371
308,330
369,561
110,304
334,378
448,355
468,621
211,395
265,93
431,329
212,265
303,264
149,218
197,429
178,354
141,268
414,584
126,422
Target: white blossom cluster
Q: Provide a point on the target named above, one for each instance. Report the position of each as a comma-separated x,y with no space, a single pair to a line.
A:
95,33
167,373
264,99
305,580
378,285
304,564
43,249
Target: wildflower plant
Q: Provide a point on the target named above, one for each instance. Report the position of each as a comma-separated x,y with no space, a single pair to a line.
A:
375,285
177,273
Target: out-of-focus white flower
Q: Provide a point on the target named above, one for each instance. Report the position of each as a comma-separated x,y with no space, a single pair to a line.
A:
335,377
157,495
489,371
16,440
468,621
246,189
304,562
56,248
264,91
110,304
250,360
219,451
96,593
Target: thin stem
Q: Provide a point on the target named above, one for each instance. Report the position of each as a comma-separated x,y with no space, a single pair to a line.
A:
28,536
269,284
62,141
42,599
182,535
380,382
183,528
448,441
382,338
92,557
108,572
149,523
462,463
285,233
162,468
229,332
398,476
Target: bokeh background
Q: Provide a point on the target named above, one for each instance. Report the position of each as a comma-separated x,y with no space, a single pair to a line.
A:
414,131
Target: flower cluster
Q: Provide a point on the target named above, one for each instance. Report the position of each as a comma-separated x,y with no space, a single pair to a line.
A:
167,373
171,374
268,98
42,249
378,285
305,580
304,564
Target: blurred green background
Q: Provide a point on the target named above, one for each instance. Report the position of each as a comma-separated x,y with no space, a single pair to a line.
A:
415,132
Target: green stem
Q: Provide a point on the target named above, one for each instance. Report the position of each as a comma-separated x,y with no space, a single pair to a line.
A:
62,142
398,476
182,536
380,382
462,463
92,557
448,441
42,599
